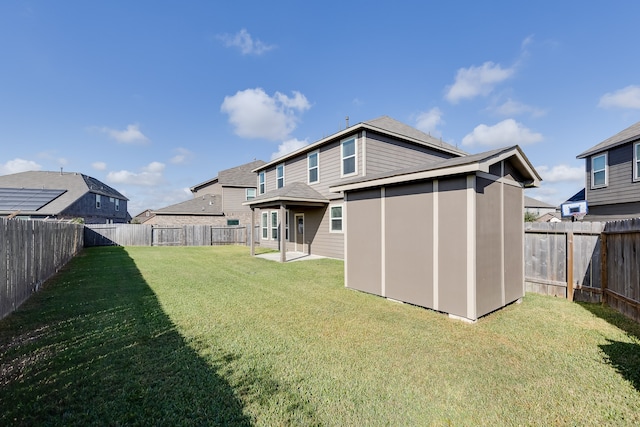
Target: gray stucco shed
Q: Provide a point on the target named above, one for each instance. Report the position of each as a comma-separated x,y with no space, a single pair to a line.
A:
448,236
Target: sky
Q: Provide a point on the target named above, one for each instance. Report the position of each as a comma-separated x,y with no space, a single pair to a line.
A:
154,97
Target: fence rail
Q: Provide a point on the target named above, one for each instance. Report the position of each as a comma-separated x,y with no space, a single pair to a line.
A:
157,235
586,261
30,253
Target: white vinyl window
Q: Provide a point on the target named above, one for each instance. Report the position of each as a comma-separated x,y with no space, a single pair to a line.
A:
250,194
117,204
261,183
314,167
599,171
636,161
265,225
348,150
336,219
274,225
98,201
280,175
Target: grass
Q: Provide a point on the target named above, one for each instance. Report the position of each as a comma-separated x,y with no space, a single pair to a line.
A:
211,336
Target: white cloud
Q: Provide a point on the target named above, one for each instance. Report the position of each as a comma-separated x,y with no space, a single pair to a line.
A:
245,43
514,108
99,166
507,132
287,147
182,156
131,135
561,173
18,165
151,175
254,114
473,81
428,121
628,97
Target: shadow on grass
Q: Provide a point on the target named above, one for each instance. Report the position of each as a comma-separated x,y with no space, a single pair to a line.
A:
623,356
95,347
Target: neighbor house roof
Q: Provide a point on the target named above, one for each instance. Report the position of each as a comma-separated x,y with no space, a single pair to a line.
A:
630,134
296,192
530,202
209,204
385,125
70,186
239,176
457,165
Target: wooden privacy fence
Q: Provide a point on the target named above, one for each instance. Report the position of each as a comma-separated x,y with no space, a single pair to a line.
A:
30,253
163,235
586,261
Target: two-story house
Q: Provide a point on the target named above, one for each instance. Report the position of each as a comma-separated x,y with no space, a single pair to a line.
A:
612,179
293,191
61,196
217,201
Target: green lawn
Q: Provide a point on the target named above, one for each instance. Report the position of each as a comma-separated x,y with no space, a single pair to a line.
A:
209,335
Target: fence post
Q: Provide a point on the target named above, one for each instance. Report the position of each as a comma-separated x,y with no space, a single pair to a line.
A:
603,267
570,265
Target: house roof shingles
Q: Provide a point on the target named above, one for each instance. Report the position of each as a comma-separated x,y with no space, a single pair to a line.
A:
629,134
75,184
239,176
209,204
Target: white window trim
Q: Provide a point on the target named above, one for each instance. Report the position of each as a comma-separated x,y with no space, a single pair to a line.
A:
264,225
98,201
286,228
271,227
262,183
246,193
283,175
606,171
355,155
317,167
117,201
331,230
636,159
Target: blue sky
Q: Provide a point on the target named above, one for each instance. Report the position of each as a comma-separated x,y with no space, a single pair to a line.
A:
153,97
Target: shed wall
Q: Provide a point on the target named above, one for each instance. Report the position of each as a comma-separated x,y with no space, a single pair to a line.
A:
364,244
514,243
409,243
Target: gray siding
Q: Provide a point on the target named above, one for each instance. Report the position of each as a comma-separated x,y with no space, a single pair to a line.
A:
232,200
620,188
384,154
409,245
209,189
85,207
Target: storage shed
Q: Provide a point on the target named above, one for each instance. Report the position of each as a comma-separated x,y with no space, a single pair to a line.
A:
448,235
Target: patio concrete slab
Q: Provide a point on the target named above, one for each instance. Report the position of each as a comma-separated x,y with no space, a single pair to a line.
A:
291,256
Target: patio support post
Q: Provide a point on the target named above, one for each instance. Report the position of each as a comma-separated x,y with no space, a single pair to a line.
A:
283,239
252,231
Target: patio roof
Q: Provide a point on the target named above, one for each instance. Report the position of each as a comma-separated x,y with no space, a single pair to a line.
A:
296,193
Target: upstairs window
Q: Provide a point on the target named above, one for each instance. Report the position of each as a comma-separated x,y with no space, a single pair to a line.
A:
348,148
280,175
251,194
117,201
312,164
261,184
636,162
599,171
98,201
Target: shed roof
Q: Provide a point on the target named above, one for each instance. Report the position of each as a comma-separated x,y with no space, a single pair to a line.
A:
384,125
209,204
630,134
74,185
457,165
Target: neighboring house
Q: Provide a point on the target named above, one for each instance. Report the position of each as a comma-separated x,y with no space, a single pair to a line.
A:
205,210
538,208
446,235
217,201
612,188
61,196
143,217
294,190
